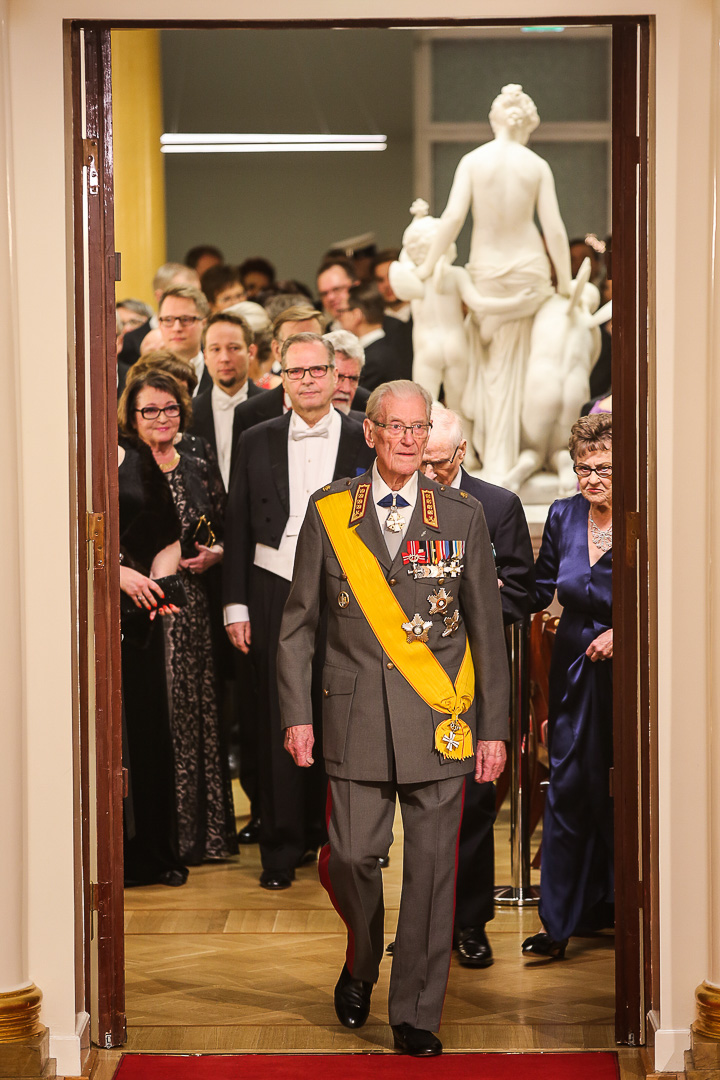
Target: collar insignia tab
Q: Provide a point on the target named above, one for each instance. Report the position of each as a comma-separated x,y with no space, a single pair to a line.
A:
360,504
429,509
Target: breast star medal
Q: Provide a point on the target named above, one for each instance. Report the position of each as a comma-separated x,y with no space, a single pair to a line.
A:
439,601
451,623
343,599
394,522
417,629
453,739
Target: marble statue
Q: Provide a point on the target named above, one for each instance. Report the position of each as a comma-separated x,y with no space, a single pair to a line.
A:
504,184
564,345
440,348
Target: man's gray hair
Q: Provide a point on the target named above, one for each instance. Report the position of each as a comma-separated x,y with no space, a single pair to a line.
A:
402,390
137,306
308,338
447,425
346,343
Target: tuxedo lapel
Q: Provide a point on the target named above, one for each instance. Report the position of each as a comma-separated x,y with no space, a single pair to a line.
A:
348,447
277,435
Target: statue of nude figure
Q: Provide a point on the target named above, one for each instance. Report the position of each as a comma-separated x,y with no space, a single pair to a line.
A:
504,184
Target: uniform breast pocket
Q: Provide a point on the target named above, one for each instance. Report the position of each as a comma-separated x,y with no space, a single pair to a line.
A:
338,692
340,595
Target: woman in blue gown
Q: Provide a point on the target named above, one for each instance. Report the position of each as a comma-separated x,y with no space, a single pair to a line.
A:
576,559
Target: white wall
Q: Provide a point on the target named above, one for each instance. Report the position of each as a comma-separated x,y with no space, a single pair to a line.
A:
683,210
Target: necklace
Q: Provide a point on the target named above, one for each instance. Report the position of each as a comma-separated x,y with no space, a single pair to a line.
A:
168,466
601,538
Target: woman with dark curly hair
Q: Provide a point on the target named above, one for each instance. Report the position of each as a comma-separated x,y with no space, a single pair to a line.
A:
576,560
154,410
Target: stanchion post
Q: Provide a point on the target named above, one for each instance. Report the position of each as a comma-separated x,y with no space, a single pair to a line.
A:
520,892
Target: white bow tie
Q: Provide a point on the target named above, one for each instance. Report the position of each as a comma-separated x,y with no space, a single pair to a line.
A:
225,403
310,433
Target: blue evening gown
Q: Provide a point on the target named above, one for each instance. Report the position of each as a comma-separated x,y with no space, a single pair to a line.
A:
577,842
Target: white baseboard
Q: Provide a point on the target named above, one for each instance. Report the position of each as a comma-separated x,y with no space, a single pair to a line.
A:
66,1051
670,1047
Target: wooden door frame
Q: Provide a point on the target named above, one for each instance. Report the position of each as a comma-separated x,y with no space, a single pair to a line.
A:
634,786
95,337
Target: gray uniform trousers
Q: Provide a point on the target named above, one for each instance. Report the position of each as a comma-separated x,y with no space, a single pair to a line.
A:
360,830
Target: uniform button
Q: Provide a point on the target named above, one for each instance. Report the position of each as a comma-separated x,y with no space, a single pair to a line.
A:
442,487
326,692
392,581
343,577
389,665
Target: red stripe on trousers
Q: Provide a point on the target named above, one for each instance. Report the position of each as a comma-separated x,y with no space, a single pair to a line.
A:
324,874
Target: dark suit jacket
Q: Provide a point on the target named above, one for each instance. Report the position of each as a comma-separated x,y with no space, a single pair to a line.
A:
376,727
203,421
249,413
259,496
385,360
510,537
132,341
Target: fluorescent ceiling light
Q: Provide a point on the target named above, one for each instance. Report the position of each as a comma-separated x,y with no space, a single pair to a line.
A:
542,29
172,143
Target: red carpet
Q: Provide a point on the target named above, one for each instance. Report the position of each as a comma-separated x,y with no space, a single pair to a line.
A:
589,1066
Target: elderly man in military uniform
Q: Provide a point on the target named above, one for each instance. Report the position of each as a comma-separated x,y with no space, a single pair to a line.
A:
415,690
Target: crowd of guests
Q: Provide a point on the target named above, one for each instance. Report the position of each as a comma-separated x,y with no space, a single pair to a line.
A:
240,395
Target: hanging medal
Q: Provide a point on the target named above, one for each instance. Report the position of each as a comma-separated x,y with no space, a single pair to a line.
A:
453,739
394,522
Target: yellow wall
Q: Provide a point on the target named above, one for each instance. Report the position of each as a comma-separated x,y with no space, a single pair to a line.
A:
139,166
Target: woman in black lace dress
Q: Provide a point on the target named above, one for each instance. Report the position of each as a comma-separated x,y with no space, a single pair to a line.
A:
150,548
206,822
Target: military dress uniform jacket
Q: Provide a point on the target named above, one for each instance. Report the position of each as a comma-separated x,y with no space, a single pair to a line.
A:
376,727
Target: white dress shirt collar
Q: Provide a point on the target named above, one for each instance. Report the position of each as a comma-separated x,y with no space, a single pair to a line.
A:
371,337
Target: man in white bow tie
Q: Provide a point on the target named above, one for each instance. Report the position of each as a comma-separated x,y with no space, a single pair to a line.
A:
280,463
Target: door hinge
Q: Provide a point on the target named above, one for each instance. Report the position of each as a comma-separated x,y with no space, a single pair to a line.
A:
611,783
125,783
96,536
118,266
632,536
90,158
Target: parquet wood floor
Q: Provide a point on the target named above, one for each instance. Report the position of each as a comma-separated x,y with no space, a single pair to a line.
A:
222,965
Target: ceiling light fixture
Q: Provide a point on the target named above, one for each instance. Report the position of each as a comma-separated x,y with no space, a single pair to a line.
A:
172,143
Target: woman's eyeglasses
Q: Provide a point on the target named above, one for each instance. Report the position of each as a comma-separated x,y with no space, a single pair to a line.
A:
603,471
151,412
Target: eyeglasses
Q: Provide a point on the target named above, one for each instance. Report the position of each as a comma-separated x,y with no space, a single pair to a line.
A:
603,471
184,320
297,374
397,430
439,464
151,412
354,379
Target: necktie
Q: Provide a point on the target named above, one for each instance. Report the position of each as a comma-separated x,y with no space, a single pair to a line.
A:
393,535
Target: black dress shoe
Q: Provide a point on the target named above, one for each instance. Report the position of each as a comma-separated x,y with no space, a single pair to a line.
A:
543,945
308,857
352,1000
249,833
277,879
415,1041
473,947
174,878
384,862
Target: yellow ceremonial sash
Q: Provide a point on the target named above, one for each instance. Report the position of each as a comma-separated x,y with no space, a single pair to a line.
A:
414,660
